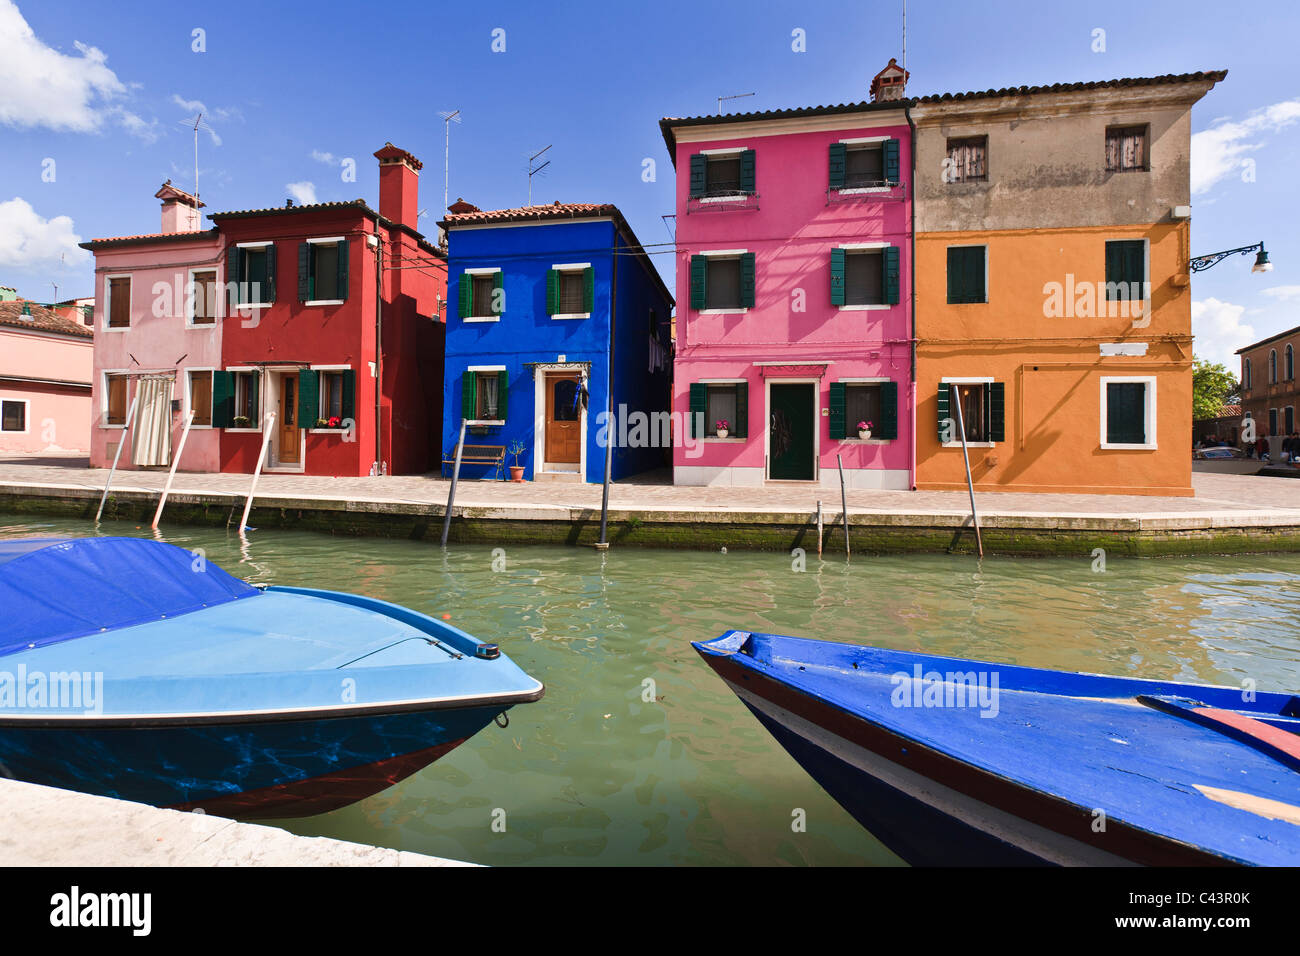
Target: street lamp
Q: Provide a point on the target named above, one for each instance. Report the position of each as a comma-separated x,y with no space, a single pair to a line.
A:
1201,263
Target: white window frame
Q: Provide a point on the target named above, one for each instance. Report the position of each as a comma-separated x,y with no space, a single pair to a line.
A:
481,271
220,296
969,380
261,416
324,241
870,247
212,396
863,190
105,375
27,416
864,380
320,398
1150,412
108,301
721,151
261,244
724,254
571,267
714,438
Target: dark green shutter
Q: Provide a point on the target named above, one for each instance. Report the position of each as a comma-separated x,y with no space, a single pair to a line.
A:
468,403
837,277
465,292
996,393
889,263
699,405
747,171
233,262
837,411
699,281
498,296
308,397
223,399
304,272
343,270
747,280
552,292
838,161
741,424
589,290
349,403
503,393
1126,414
699,172
975,273
945,393
966,274
889,151
887,427
1126,263
254,404
268,294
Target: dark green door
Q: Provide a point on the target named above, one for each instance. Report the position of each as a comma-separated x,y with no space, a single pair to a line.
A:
791,420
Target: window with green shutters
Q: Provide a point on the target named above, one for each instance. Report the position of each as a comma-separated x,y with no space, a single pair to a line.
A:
570,291
308,397
1126,270
251,269
722,283
864,165
873,402
481,295
223,399
982,411
715,402
864,276
1127,413
323,271
485,394
719,175
245,406
966,271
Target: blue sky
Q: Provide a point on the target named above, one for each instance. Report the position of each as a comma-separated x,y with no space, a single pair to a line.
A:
290,90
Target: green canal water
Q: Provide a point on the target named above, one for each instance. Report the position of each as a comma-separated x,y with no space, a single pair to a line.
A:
594,774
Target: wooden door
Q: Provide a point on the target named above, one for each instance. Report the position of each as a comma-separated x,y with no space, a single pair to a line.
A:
563,420
288,419
791,420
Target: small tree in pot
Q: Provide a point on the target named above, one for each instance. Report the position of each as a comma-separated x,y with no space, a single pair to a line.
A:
516,449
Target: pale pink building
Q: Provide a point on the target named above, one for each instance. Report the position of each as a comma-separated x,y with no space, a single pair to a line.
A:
794,293
45,378
157,336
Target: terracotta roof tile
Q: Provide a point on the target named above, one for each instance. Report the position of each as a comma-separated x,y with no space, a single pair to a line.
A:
149,237
556,210
41,320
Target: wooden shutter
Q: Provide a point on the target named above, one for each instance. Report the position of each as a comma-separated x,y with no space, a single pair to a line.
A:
498,296
699,174
699,408
234,263
955,276
465,292
1126,414
268,294
965,274
308,397
552,292
468,401
305,293
889,155
838,160
349,403
503,393
589,289
223,399
837,411
887,427
254,405
699,281
747,171
741,424
945,393
747,280
116,400
889,280
342,291
119,303
995,393
837,275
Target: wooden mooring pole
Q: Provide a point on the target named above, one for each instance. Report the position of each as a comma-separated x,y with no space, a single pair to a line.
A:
455,475
970,482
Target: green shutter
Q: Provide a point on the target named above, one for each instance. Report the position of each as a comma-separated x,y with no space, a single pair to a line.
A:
838,161
741,424
304,272
699,406
254,404
747,171
552,292
589,290
308,397
945,393
996,393
343,270
889,262
699,172
349,403
747,280
503,393
498,296
468,403
887,427
966,274
465,292
699,281
223,399
234,260
975,265
837,412
268,294
955,266
837,277
889,151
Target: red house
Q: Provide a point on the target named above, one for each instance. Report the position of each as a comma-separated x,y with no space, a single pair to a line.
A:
335,324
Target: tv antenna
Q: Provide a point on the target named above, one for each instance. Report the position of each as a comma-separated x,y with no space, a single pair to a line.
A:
448,117
534,170
198,125
737,96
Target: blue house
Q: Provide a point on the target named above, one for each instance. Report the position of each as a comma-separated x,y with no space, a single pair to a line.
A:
552,308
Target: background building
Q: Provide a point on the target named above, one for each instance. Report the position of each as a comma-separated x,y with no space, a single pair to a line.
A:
46,366
1270,393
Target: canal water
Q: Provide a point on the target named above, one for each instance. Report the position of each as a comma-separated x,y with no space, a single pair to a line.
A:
596,774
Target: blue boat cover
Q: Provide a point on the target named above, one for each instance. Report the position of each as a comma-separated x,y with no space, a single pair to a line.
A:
57,590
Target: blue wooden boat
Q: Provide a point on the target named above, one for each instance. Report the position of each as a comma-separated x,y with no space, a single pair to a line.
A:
957,762
134,669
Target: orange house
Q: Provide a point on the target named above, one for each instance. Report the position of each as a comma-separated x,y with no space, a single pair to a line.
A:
1053,301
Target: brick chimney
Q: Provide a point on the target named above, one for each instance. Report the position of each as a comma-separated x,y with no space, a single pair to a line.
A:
180,210
399,185
890,83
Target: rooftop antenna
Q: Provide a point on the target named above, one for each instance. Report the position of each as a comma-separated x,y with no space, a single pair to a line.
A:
198,125
737,96
448,117
904,41
56,292
534,170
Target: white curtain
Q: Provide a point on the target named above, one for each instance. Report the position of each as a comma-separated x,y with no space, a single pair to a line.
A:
151,436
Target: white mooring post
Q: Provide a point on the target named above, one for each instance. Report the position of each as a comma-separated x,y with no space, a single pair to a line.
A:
970,481
257,472
455,476
176,460
129,420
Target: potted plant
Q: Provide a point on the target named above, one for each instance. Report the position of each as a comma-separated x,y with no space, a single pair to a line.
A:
516,470
722,427
864,430
240,421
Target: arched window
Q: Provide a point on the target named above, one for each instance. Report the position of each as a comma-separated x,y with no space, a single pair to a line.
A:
1245,373
1272,366
1290,363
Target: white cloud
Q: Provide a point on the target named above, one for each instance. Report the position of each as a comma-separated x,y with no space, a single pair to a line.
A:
219,114
1219,151
27,239
1284,293
39,86
329,159
1219,331
303,192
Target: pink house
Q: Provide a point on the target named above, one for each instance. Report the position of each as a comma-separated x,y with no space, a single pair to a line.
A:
45,376
794,287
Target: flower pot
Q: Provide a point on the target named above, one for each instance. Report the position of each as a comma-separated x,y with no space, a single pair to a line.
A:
864,433
722,433
516,472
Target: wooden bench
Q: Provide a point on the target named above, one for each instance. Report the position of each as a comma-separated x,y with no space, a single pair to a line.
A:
480,455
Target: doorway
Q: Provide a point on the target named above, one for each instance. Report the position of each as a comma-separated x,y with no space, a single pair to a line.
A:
792,431
563,424
288,430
